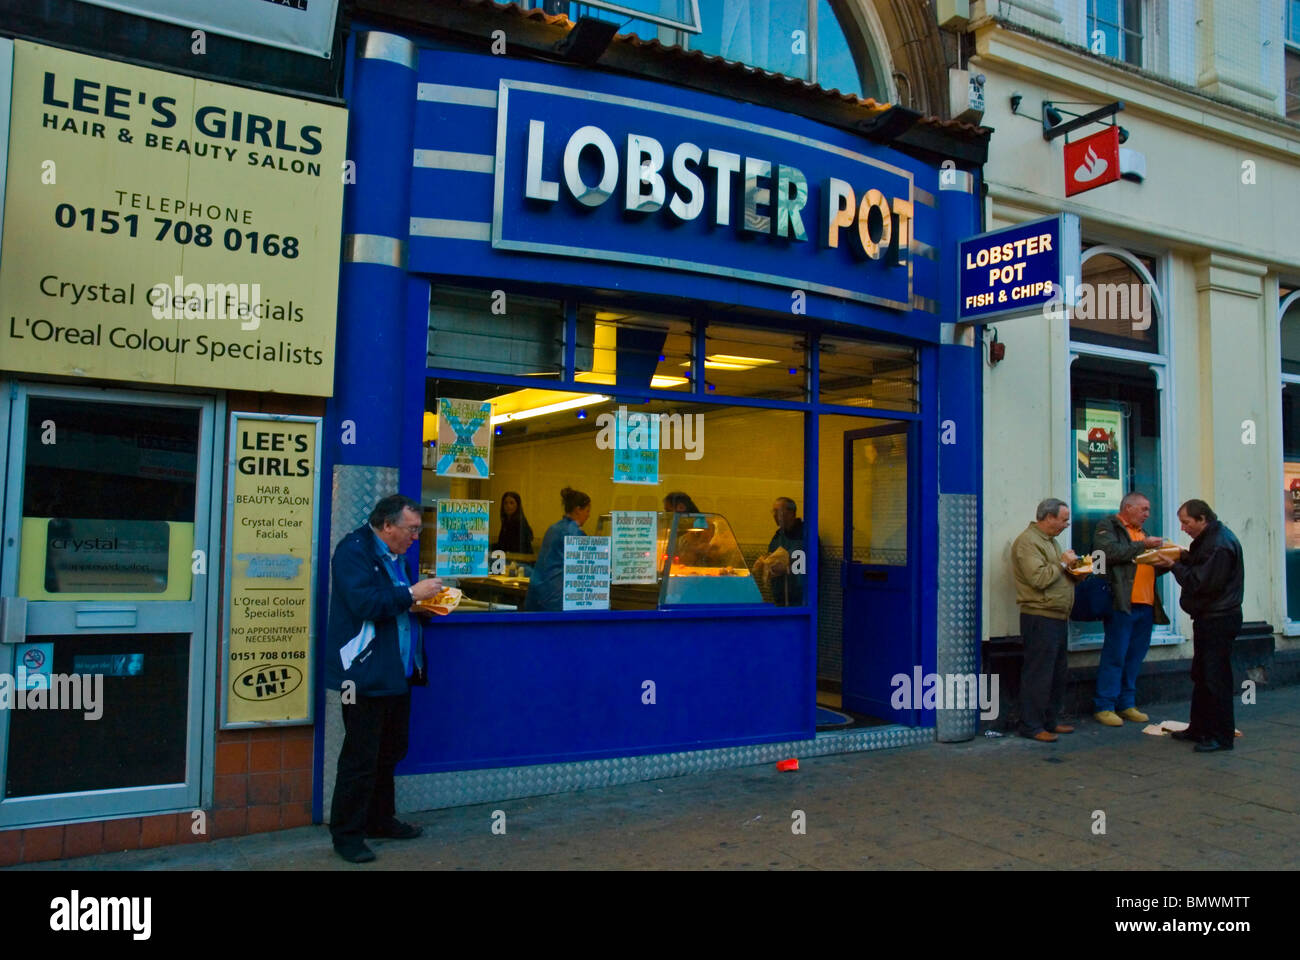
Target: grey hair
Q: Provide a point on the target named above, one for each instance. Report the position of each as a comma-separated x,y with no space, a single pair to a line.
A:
1131,496
1049,508
390,509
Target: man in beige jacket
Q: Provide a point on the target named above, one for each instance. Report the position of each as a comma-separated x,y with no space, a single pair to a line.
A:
1045,593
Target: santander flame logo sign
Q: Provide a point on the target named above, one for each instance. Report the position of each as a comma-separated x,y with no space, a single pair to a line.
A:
1092,162
1092,167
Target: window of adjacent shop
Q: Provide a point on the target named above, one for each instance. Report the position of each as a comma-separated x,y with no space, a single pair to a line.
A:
1119,412
1289,314
827,42
1292,54
1115,304
729,402
1116,28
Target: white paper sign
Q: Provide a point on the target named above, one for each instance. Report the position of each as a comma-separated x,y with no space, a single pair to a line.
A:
634,534
586,573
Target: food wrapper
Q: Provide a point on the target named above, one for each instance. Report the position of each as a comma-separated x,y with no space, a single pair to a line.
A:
1082,567
1171,550
444,603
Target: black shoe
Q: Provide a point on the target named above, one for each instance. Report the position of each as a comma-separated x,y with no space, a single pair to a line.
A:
1186,735
395,830
358,854
1209,746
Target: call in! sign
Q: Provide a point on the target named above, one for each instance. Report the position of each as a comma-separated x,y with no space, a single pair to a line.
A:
1017,269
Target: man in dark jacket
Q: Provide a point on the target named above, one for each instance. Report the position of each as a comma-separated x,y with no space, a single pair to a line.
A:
787,586
1136,607
374,654
1212,575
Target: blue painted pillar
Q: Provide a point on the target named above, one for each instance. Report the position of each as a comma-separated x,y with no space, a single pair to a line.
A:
374,366
960,446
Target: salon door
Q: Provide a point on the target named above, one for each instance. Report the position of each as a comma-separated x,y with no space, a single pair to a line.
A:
879,570
104,601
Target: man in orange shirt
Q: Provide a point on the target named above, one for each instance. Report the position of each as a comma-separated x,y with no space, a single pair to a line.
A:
1136,608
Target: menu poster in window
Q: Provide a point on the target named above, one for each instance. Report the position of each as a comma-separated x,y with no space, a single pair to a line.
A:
1291,479
636,447
634,534
462,544
1098,479
586,573
464,438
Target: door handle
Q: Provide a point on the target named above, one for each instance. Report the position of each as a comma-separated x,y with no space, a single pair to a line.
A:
13,619
876,576
104,615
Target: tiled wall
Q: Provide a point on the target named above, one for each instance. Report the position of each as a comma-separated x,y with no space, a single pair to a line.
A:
263,782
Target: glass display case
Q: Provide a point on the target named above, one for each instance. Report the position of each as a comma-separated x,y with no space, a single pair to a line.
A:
700,561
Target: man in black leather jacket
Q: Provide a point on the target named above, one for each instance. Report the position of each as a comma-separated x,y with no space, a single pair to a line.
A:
1212,575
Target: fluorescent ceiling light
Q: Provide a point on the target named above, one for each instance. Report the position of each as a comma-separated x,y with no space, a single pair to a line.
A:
589,399
659,380
725,361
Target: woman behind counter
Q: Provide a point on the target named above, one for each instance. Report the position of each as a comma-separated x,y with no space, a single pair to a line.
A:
515,535
546,588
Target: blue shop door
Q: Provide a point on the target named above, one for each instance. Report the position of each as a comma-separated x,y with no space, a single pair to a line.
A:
879,569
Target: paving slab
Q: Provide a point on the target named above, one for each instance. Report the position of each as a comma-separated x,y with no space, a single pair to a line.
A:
1001,803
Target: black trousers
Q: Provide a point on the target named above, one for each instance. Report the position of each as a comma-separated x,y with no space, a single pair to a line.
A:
1212,690
377,731
1043,672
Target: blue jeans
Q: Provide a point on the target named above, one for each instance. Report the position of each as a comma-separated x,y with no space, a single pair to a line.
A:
1128,635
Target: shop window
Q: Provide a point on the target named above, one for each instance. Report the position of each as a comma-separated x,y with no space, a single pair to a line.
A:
1291,494
1292,83
745,362
1291,340
633,349
1115,305
495,331
821,41
1115,441
120,473
1291,51
726,464
1115,29
1291,452
857,373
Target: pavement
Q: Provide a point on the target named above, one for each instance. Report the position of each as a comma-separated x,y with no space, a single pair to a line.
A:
1101,798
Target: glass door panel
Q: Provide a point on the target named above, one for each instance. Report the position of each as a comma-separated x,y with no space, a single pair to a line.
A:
106,501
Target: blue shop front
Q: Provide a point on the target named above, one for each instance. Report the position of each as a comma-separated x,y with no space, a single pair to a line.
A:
729,328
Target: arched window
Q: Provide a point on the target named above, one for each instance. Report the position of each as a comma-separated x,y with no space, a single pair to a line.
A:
1289,319
828,42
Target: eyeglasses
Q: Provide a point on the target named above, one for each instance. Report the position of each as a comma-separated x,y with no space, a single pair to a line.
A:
413,529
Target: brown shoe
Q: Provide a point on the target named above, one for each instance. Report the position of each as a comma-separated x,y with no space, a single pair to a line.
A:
1044,737
1063,728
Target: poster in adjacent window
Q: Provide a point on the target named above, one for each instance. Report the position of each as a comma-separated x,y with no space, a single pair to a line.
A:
1099,459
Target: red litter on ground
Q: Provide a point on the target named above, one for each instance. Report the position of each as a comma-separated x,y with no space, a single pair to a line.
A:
786,765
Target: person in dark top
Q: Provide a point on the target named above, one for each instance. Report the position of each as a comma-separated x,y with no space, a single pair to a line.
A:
515,535
546,587
1212,575
678,502
787,587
